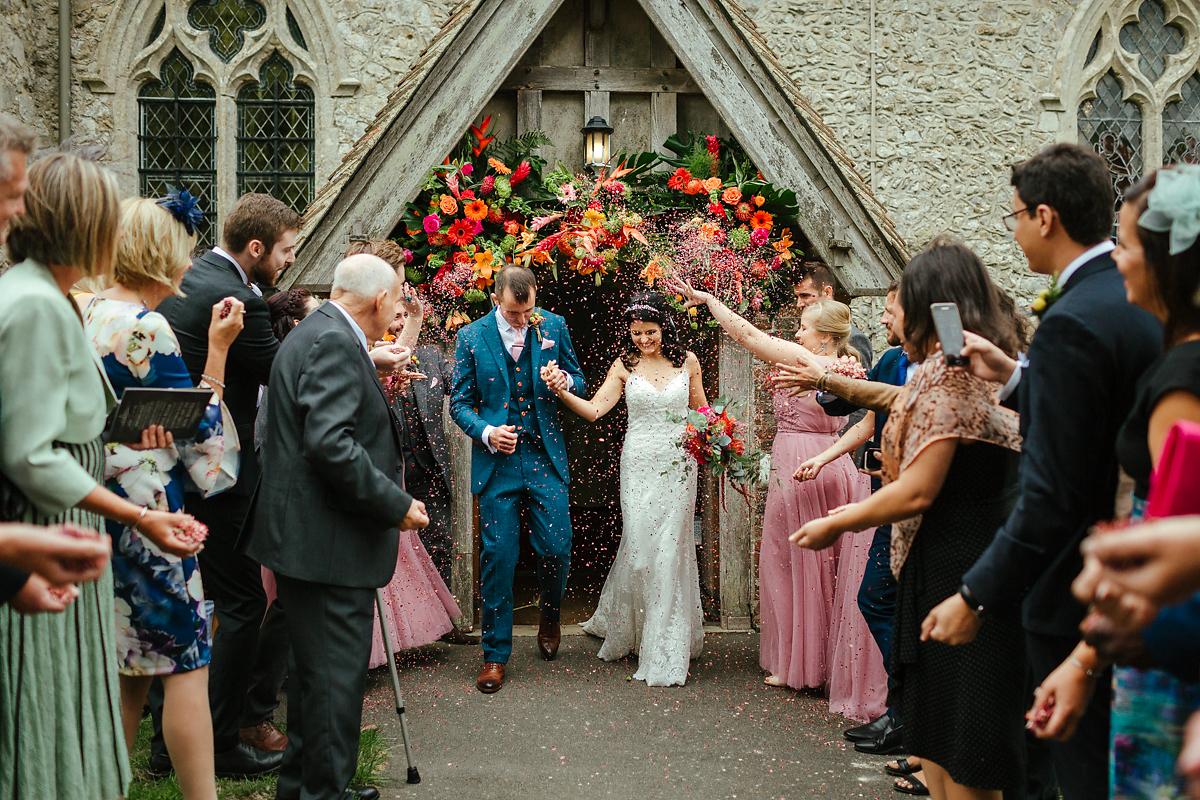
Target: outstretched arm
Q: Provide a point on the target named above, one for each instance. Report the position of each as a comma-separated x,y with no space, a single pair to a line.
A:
765,347
607,396
696,397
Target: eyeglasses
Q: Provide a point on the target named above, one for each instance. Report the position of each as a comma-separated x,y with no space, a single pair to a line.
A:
1010,220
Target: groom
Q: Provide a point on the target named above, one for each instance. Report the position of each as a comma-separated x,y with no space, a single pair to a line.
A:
519,458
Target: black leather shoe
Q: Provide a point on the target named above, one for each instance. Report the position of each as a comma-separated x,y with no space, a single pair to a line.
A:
159,765
871,731
244,761
455,636
365,793
890,744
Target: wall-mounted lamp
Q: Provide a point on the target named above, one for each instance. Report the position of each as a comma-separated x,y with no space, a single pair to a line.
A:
596,135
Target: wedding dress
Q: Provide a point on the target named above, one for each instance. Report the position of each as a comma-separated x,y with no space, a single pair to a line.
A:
650,604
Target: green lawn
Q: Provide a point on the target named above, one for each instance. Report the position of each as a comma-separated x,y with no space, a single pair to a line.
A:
372,758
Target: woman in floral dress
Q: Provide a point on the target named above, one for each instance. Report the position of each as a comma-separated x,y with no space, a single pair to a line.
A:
163,620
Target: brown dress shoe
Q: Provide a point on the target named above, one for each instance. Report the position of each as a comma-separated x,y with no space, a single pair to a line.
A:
491,677
264,736
549,635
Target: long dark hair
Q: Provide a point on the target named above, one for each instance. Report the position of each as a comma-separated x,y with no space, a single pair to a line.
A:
287,308
650,307
1175,278
947,271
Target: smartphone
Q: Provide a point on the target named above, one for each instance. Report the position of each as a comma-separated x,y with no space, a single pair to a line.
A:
872,459
950,332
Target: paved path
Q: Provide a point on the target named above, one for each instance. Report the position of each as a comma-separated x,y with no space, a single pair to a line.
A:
578,727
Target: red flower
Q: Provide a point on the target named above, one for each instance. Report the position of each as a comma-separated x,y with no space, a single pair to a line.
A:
679,180
713,144
717,210
461,233
595,205
694,186
489,183
743,211
512,227
520,173
466,194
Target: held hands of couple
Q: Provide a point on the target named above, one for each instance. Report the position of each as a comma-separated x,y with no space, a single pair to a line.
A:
554,378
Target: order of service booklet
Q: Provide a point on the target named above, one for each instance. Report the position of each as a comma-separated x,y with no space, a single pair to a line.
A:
179,411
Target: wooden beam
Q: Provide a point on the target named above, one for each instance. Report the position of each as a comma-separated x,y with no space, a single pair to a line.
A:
597,47
639,80
529,111
736,518
664,105
462,519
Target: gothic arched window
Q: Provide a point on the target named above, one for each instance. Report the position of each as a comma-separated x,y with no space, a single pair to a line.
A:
228,22
177,137
275,135
1138,86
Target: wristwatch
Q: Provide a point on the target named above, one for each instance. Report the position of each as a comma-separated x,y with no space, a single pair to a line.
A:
972,603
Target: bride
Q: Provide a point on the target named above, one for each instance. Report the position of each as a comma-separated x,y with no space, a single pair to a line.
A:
650,604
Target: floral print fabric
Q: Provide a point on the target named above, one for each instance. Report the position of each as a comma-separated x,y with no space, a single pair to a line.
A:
162,617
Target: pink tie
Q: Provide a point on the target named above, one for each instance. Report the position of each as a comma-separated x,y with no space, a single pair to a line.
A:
517,347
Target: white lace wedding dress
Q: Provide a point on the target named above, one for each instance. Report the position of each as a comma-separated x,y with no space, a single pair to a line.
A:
650,604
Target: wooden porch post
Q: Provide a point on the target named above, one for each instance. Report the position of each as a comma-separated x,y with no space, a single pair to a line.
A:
462,521
736,518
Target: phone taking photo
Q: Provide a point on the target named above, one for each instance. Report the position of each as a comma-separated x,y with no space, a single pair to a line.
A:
948,324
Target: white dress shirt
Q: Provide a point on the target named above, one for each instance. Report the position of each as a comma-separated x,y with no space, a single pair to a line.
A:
362,337
1106,246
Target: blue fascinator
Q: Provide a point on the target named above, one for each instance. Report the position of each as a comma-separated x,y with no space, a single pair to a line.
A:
184,208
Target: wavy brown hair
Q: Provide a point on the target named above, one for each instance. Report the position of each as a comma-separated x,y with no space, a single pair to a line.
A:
650,307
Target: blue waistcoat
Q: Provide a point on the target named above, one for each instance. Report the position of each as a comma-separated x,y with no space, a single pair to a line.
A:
522,414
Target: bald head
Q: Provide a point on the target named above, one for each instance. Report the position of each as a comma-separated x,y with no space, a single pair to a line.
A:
368,288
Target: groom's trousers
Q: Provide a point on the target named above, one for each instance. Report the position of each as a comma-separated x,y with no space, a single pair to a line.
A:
330,630
528,479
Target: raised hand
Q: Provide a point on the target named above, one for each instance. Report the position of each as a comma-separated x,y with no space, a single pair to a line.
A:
410,301
554,378
228,318
988,361
416,518
692,297
389,357
798,378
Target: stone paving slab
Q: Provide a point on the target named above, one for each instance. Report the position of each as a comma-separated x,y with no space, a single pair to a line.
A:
578,727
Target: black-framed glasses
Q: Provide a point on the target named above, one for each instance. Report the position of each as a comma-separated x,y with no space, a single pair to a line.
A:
1010,219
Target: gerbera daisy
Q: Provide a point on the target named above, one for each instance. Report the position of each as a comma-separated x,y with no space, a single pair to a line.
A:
461,233
498,165
679,179
476,210
762,219
448,205
592,218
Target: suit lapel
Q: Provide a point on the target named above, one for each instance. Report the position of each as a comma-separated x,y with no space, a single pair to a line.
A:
491,336
534,342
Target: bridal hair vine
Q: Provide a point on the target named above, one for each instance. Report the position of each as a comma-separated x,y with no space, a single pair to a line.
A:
1174,205
185,208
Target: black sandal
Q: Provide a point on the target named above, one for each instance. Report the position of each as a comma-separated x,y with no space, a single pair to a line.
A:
915,786
903,769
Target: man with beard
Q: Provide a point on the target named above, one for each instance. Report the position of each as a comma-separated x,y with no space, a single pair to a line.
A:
258,244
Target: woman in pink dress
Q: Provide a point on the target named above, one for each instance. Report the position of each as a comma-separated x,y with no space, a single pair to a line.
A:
812,631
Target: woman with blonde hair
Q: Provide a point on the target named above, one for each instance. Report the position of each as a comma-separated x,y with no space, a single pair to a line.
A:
60,729
163,620
813,633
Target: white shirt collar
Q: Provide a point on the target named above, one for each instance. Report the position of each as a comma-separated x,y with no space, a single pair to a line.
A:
362,337
234,261
508,333
1104,247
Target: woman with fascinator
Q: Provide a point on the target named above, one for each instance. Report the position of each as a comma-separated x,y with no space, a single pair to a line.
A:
163,626
650,604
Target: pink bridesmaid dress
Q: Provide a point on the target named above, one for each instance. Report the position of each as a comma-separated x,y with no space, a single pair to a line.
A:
419,608
812,631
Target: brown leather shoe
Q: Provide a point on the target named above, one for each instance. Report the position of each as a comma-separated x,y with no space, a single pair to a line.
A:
491,677
264,736
549,635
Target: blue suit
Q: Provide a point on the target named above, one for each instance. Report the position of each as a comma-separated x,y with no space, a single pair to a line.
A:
490,388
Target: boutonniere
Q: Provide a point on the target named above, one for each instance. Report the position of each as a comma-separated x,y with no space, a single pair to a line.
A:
535,320
1048,297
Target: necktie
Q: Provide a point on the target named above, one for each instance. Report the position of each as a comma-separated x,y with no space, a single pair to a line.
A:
517,347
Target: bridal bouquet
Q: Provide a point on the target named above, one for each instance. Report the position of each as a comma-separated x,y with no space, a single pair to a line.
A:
715,440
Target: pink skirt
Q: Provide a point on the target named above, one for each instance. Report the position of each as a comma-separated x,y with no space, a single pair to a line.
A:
857,679
419,608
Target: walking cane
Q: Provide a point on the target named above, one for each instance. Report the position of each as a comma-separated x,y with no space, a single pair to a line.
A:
413,775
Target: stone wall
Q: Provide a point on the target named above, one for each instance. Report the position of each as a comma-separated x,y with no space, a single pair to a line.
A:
29,64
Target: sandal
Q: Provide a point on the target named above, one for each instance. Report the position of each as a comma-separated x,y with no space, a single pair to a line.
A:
903,768
772,680
910,784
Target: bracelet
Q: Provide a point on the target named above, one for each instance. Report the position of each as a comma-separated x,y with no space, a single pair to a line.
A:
140,516
212,382
821,381
1075,662
965,593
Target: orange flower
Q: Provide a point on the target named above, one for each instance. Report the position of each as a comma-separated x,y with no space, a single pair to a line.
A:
694,186
759,200
761,219
448,204
653,272
498,166
784,245
485,267
710,231
476,210
712,184
731,195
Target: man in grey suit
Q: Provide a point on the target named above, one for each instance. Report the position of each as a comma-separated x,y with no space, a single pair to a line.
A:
328,514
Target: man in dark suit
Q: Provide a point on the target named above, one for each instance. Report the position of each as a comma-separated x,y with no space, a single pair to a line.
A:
328,517
259,240
1083,365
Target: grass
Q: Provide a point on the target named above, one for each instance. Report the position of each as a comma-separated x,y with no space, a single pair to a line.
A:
373,751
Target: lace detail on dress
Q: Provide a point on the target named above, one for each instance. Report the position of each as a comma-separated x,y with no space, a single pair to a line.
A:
650,604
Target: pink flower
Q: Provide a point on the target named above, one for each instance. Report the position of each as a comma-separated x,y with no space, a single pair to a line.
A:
408,256
431,223
489,183
477,225
759,236
467,168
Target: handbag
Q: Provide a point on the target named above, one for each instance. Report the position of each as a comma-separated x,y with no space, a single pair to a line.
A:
1175,484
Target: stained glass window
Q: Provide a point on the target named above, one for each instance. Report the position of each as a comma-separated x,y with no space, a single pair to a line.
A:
1181,125
1114,127
228,21
177,137
275,136
1151,39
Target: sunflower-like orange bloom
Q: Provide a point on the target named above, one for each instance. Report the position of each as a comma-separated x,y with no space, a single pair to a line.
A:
732,195
498,166
712,184
761,219
448,205
476,210
461,233
593,218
